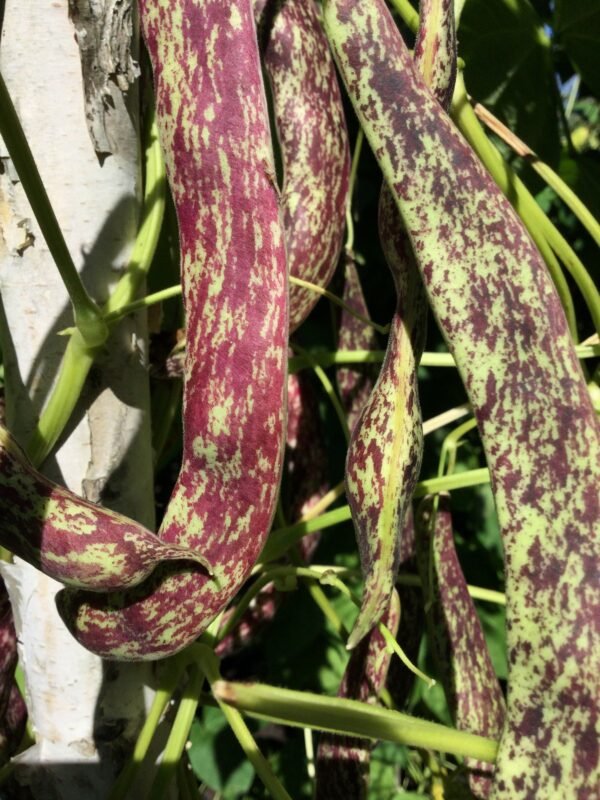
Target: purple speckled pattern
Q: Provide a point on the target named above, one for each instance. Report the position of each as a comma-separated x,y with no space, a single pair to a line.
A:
503,322
458,645
213,125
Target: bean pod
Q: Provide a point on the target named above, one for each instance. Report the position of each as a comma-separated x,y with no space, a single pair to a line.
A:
311,128
213,124
504,324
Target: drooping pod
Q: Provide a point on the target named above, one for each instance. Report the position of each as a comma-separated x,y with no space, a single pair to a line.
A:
70,539
343,761
502,319
309,118
385,452
458,645
213,125
384,455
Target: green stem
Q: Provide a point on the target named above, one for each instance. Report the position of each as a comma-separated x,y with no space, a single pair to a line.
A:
88,317
78,358
350,717
209,665
329,391
329,358
162,698
552,178
450,446
143,302
476,592
74,368
447,483
383,329
407,12
178,735
360,137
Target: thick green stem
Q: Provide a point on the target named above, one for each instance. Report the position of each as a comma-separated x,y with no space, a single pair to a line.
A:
88,317
350,717
78,358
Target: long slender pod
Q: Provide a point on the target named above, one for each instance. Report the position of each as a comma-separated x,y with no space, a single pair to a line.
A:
343,761
310,123
213,124
459,648
385,452
69,538
503,322
355,383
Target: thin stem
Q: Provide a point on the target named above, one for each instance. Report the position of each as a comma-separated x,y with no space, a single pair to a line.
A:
329,391
566,194
350,717
407,12
450,445
209,664
360,137
162,698
73,371
329,358
178,735
281,540
88,317
143,302
476,592
383,329
78,358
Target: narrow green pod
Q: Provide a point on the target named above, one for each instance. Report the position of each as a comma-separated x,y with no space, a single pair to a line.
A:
70,539
503,323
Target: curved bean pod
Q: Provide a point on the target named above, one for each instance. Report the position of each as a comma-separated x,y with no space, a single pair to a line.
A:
379,485
213,124
504,325
70,539
311,128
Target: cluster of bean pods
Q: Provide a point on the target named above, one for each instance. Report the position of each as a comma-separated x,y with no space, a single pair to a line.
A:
449,238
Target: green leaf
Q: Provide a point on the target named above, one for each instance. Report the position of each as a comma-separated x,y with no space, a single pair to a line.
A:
577,25
509,69
216,757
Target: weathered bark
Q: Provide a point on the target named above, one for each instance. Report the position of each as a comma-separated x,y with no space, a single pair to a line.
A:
84,712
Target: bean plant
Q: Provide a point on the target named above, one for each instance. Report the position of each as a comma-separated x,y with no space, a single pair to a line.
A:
377,566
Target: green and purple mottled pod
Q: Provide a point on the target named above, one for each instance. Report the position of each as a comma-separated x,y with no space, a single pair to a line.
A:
311,128
503,322
379,495
213,125
458,645
71,539
343,761
384,455
355,383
